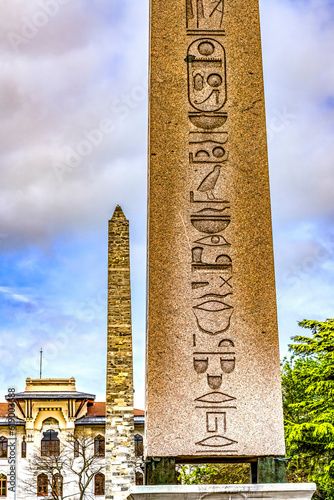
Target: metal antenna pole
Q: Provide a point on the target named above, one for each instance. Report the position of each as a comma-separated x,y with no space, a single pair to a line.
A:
40,363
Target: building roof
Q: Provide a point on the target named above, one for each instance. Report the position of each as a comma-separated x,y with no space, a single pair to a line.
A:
96,415
98,409
52,395
4,416
3,409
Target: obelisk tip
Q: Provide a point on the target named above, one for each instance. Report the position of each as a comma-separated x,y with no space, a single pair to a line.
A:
118,213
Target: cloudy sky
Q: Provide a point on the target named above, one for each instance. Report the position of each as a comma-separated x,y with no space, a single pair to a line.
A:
73,108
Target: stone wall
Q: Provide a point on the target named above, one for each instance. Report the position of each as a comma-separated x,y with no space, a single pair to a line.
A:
120,460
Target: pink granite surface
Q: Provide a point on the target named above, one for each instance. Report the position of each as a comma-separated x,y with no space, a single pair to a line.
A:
213,375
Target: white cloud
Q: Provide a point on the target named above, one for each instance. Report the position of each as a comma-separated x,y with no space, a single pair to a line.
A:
55,98
17,297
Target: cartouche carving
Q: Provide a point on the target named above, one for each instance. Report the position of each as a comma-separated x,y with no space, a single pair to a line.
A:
206,75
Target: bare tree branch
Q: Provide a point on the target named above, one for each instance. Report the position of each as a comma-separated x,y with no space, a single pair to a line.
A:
67,473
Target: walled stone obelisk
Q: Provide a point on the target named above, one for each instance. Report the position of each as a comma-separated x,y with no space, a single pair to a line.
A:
213,372
120,460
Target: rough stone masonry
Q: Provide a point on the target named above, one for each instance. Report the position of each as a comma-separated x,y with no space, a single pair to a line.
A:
213,374
120,459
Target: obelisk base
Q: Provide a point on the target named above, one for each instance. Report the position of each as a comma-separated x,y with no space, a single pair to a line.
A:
275,491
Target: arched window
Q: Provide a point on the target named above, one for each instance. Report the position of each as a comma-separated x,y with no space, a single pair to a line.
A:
99,446
139,445
24,448
99,484
139,479
50,444
3,485
42,485
50,421
57,486
3,447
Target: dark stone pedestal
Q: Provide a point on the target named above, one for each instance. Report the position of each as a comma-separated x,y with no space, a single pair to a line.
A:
160,471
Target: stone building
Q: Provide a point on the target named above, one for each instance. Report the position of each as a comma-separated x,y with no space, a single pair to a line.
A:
46,413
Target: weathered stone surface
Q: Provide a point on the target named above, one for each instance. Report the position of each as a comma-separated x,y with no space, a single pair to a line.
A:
213,373
120,456
224,492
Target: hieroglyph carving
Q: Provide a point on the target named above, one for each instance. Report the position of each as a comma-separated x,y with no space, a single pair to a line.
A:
213,313
207,151
205,15
217,406
210,218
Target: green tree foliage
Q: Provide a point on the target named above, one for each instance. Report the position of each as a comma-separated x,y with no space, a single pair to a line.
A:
215,474
308,398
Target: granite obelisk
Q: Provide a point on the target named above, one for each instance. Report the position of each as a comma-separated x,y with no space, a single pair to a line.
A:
120,459
213,373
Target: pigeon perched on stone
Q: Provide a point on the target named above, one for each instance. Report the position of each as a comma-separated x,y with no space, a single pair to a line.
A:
209,182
